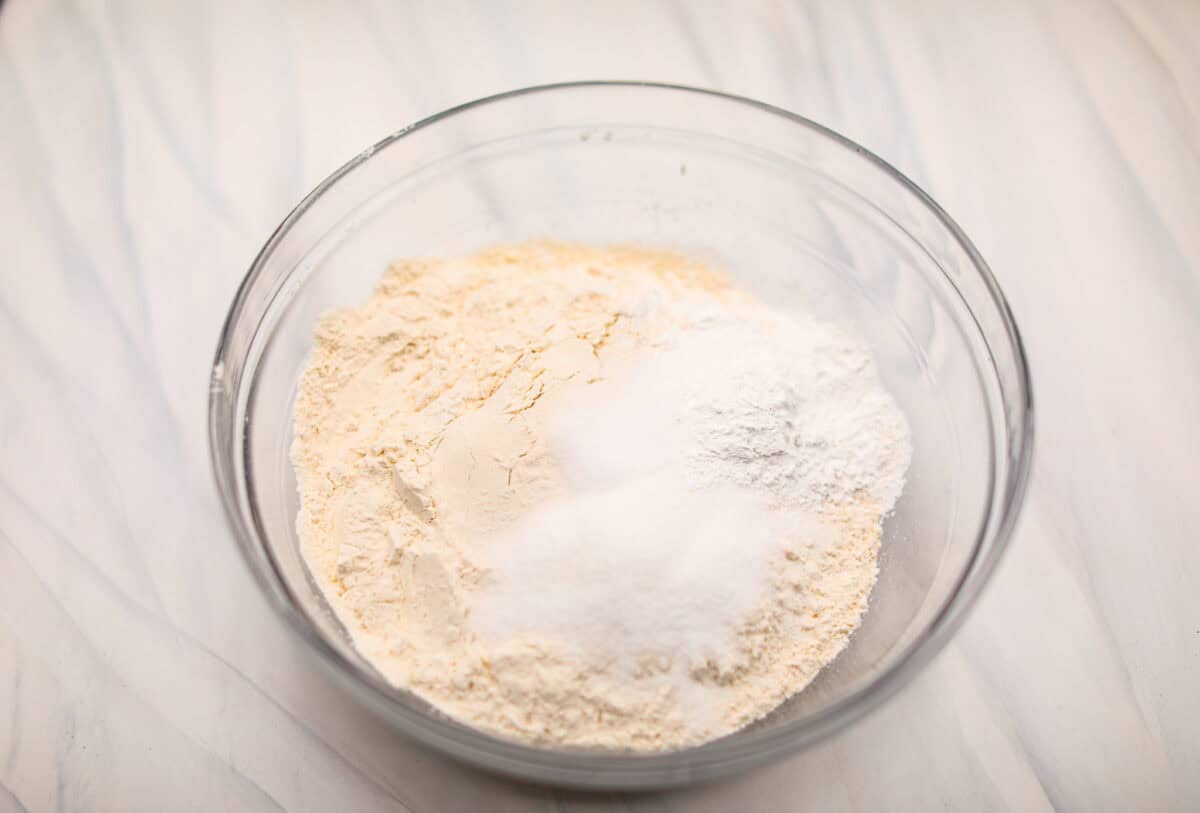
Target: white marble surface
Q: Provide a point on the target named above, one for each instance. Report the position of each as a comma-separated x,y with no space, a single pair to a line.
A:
147,150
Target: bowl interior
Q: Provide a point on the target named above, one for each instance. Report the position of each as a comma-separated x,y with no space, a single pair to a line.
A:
793,214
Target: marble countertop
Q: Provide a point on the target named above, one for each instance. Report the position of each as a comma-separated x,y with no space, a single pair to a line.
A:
148,149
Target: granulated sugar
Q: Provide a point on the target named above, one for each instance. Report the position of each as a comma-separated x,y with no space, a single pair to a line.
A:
592,497
642,569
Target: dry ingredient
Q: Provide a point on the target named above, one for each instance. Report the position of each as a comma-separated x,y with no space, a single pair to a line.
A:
592,497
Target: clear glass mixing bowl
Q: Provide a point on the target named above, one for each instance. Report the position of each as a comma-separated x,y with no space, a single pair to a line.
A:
795,212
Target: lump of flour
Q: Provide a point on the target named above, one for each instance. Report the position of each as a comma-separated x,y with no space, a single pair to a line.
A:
592,497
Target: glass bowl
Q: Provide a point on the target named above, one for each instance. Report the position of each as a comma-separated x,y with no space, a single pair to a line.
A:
795,213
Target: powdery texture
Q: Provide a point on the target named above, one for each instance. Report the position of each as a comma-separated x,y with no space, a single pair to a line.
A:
424,435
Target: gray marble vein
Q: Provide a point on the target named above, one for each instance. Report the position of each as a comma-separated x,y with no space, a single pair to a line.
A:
150,148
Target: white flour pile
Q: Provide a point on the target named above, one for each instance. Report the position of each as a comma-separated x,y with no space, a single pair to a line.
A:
592,497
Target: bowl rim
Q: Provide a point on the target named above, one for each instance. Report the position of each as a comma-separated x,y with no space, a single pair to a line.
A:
659,769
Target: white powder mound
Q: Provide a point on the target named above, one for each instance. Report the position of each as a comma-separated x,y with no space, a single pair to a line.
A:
592,497
791,408
646,568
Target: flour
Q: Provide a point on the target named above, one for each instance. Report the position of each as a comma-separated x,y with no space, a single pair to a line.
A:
592,497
